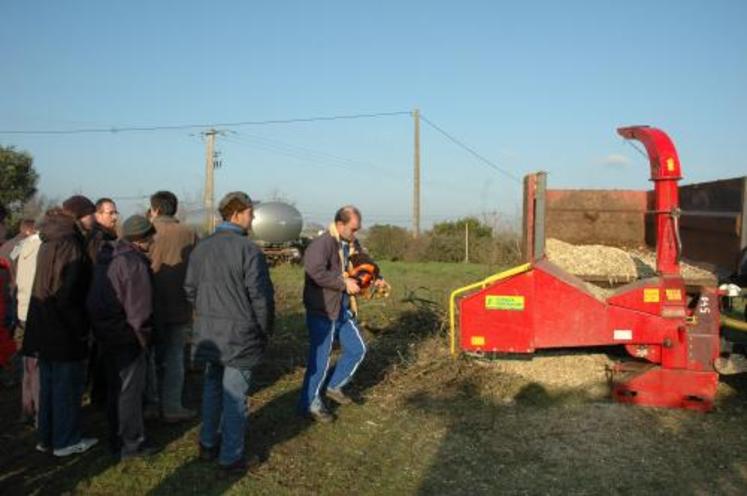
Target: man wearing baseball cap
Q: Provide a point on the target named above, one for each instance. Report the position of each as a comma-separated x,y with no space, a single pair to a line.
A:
121,309
229,285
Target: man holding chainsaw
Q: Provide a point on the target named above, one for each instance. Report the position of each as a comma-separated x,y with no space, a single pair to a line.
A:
330,287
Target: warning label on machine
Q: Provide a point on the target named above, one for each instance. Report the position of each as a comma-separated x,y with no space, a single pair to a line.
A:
651,295
674,295
504,302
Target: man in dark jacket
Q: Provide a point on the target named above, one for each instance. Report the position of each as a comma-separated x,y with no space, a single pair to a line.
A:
104,227
104,230
57,332
229,285
121,309
328,296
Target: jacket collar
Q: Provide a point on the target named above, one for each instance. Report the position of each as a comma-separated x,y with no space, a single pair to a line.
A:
230,227
165,219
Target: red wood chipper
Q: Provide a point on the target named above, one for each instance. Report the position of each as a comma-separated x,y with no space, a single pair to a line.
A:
672,329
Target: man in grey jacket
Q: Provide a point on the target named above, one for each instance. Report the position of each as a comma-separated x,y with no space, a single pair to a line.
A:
328,296
228,283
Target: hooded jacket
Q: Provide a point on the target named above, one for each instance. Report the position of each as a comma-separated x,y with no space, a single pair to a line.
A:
229,285
57,325
120,301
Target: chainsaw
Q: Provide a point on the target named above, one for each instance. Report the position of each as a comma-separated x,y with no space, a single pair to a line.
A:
367,274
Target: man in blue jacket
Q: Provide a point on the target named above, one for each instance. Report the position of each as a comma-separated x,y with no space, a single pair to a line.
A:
229,285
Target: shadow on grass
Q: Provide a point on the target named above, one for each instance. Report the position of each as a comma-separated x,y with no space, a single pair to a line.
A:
277,422
563,442
26,471
274,423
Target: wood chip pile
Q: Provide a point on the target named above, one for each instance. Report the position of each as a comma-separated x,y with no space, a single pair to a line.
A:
595,262
600,263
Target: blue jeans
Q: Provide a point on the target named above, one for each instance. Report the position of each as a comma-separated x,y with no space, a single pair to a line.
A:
169,347
225,411
322,334
61,387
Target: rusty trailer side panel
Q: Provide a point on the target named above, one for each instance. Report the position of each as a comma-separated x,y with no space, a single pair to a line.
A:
713,225
606,217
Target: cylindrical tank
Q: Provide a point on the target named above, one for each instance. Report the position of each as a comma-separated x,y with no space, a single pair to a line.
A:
276,222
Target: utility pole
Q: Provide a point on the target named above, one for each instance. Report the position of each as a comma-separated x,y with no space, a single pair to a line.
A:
466,242
209,194
416,177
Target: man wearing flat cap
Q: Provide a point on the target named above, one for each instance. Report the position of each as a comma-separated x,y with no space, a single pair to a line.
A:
229,285
121,309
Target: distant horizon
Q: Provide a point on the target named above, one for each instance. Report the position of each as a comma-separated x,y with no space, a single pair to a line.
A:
503,89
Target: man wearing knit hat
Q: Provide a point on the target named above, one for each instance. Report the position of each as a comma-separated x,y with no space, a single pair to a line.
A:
229,284
121,309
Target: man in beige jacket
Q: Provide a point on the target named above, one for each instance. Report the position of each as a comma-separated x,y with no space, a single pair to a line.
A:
173,313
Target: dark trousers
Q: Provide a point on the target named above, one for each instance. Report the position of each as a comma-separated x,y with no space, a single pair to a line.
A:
126,369
97,376
60,392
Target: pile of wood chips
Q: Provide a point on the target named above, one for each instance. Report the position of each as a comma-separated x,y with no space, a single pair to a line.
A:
592,262
612,266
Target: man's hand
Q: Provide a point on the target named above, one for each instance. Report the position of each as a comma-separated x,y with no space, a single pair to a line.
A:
352,286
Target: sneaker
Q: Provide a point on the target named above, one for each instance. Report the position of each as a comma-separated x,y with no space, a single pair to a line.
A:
179,416
208,454
734,364
145,449
339,397
80,447
42,448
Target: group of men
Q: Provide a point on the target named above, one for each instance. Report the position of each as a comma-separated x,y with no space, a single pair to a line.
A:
110,307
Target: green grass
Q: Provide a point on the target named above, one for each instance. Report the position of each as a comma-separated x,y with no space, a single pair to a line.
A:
430,424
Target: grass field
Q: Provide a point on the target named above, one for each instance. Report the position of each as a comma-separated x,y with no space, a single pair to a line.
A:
430,424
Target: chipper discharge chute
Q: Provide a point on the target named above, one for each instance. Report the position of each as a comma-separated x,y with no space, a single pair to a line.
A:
672,330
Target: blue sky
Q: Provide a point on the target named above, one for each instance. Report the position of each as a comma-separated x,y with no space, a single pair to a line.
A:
529,85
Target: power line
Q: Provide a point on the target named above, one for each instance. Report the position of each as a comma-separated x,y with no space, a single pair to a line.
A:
125,129
323,159
471,151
